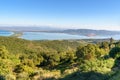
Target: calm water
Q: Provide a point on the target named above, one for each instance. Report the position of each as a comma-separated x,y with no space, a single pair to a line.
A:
54,36
59,36
5,33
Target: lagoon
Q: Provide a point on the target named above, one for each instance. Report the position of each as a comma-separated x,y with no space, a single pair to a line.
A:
60,36
5,33
54,36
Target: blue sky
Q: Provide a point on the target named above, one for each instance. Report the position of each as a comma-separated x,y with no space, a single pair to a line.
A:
90,14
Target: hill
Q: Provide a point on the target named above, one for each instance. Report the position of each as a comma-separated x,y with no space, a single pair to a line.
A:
90,32
59,59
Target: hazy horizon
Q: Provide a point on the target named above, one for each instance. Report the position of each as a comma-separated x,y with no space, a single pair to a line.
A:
51,27
63,14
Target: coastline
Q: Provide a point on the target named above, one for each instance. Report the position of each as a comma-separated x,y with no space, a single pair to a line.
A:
16,34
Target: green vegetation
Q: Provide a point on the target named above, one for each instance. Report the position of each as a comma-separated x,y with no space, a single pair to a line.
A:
59,60
17,34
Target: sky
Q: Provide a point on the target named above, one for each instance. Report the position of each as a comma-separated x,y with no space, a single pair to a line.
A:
72,14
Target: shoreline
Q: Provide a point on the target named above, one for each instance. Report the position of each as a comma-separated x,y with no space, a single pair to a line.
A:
16,34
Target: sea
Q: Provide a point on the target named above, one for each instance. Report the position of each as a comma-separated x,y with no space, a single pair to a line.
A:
61,36
5,33
55,36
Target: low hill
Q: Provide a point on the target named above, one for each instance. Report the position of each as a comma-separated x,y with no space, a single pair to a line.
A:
90,32
16,45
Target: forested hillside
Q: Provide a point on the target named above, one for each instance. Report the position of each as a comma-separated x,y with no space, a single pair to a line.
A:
87,32
59,60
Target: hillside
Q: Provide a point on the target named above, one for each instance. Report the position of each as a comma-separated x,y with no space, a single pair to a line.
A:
90,32
16,45
59,59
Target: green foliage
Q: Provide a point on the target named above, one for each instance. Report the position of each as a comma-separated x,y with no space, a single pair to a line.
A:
3,52
115,52
18,69
2,77
50,60
115,76
105,45
97,65
86,76
88,52
117,44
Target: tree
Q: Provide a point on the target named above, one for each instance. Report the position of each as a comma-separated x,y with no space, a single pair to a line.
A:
2,77
111,40
86,52
105,45
3,52
50,59
71,56
115,52
18,68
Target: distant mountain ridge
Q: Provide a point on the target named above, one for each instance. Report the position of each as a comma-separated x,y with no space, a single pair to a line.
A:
28,28
90,32
85,32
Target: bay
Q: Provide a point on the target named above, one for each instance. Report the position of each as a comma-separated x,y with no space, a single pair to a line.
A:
60,36
5,33
54,36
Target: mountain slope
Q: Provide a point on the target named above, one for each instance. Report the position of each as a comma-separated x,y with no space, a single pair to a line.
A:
91,32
